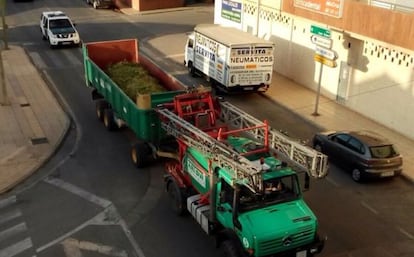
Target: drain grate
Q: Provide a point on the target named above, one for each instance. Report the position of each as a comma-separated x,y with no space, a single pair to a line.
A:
39,140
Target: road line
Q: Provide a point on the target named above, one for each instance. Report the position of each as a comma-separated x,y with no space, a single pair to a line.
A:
172,56
78,191
37,60
19,228
369,207
11,215
73,247
407,234
332,181
16,248
7,201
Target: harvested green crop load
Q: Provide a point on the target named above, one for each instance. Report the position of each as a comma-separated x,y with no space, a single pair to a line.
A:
133,79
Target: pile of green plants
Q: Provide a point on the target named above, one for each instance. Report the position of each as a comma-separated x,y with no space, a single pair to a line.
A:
133,79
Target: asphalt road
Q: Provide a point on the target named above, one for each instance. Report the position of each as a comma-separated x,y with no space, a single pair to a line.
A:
89,198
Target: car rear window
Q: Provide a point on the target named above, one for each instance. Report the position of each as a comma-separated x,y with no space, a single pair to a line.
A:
383,151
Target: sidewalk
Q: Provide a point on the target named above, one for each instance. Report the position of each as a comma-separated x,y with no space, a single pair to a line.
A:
32,126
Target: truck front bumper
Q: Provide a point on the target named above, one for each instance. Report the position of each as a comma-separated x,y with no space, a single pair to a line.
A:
308,250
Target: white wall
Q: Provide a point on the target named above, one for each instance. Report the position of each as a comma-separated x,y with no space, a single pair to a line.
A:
382,90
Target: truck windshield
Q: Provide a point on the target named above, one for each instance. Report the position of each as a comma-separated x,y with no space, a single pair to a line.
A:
275,190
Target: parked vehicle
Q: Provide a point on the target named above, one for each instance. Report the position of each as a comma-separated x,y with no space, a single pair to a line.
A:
58,29
101,3
366,154
231,59
222,165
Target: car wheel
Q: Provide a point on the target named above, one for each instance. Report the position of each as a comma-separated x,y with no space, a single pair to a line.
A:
357,175
95,4
88,1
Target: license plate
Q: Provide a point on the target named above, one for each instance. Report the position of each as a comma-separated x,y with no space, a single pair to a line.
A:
301,254
387,174
248,88
66,43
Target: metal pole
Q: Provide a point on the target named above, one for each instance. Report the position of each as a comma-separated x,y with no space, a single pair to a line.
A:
5,99
315,112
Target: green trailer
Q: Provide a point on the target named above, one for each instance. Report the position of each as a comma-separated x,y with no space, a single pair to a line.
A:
116,109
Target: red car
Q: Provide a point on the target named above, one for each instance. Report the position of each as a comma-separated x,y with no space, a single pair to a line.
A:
365,154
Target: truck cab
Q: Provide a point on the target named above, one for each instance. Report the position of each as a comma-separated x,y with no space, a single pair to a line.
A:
189,53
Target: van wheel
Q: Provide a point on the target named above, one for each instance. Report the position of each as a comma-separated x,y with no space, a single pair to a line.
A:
191,69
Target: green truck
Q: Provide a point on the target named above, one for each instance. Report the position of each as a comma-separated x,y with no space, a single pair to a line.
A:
237,177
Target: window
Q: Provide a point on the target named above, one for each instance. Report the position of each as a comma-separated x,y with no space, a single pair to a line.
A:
341,139
356,145
383,151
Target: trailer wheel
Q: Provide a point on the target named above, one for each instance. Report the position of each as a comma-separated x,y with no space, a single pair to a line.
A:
139,154
229,249
176,198
108,120
101,105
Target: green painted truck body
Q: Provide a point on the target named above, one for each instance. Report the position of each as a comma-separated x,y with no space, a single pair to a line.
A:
142,120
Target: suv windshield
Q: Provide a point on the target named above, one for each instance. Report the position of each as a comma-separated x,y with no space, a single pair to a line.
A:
275,190
383,151
60,23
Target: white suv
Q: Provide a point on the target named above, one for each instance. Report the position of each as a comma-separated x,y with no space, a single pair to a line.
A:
58,29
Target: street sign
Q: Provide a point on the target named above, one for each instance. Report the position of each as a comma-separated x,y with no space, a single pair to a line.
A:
324,61
320,31
321,41
325,52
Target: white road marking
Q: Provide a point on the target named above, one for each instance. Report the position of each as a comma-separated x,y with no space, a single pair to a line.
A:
16,248
7,201
74,247
369,207
109,216
19,228
38,61
11,215
407,234
79,192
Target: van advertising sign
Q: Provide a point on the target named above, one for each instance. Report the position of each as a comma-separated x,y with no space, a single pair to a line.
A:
231,10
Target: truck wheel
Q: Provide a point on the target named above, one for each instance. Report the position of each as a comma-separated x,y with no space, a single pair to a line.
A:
139,154
108,120
229,249
176,198
101,105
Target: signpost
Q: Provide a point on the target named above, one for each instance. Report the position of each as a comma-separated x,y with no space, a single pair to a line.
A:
323,54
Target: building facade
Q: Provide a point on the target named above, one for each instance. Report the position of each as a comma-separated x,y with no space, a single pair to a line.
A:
367,50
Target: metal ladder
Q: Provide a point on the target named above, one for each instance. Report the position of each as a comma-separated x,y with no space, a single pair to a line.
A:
241,169
295,153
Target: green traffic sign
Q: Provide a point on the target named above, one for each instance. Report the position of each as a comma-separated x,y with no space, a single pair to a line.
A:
320,31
